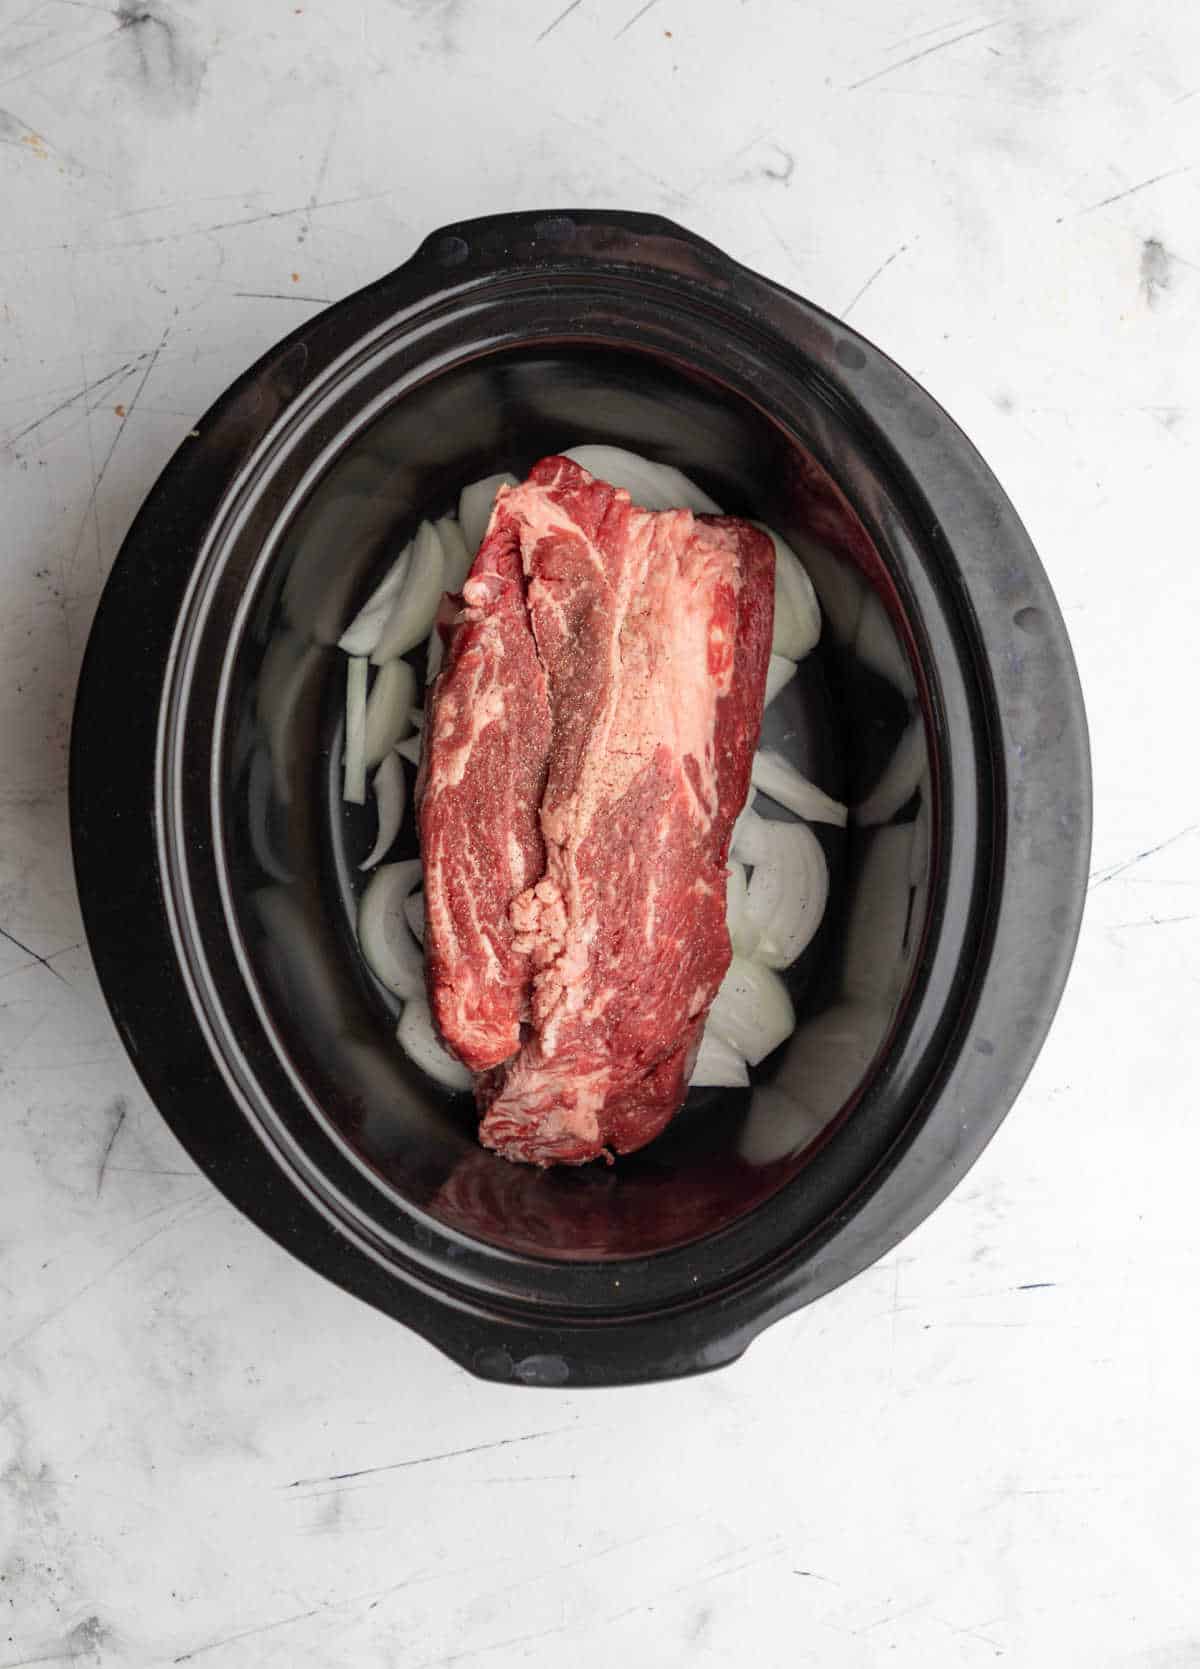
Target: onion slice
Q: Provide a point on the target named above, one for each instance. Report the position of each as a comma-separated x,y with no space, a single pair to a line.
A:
363,633
741,937
742,839
417,600
388,715
717,1065
410,748
797,612
839,586
899,779
414,914
780,671
751,837
787,894
475,508
420,1042
781,781
651,486
752,1011
456,557
354,787
390,796
389,949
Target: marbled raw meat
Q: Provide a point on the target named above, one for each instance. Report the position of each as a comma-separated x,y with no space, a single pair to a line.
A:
588,749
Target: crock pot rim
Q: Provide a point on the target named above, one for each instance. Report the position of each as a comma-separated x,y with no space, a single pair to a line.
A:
1029,757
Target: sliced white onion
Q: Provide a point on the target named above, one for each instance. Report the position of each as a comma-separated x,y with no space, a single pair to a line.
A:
797,612
787,894
782,782
652,486
748,843
389,949
388,709
752,1011
420,1042
416,718
717,1065
417,601
839,586
475,508
410,748
740,937
878,913
364,631
780,671
456,557
742,839
877,645
414,914
354,787
390,795
899,779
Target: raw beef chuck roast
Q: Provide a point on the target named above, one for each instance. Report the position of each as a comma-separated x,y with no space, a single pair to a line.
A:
588,749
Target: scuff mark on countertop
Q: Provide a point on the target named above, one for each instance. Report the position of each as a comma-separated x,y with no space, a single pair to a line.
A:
155,53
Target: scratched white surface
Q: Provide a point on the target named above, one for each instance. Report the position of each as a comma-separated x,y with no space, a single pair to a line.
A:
985,1448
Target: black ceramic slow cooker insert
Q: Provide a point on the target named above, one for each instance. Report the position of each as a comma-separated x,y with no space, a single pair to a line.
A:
217,863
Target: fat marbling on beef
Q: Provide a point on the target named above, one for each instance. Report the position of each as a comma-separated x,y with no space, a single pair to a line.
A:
588,748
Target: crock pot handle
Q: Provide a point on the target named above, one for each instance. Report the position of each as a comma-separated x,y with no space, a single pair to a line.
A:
474,248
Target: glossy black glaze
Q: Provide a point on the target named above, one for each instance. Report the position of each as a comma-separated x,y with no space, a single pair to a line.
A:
253,1023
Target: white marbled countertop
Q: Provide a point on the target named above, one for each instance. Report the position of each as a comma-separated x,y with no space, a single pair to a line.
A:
987,1447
